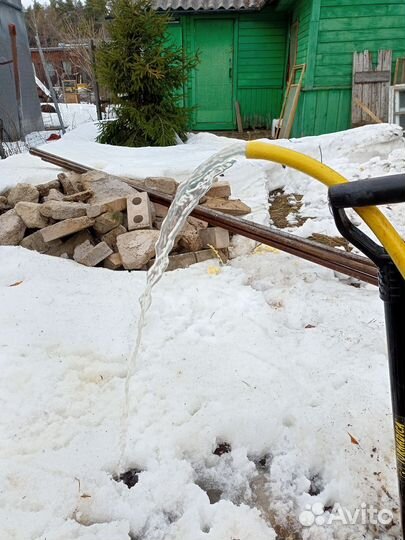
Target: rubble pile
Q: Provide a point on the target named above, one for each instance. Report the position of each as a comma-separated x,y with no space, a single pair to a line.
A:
98,219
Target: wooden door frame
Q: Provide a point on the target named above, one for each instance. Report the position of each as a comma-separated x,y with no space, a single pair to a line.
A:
235,21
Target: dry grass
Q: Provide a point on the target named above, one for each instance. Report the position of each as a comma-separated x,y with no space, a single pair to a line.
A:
331,241
281,206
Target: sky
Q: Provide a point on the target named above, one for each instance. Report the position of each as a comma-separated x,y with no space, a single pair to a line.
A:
27,3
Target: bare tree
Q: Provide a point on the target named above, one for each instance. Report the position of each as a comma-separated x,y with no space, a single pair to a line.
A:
77,37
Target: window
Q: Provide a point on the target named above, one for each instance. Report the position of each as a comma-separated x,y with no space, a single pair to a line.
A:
50,69
398,105
67,67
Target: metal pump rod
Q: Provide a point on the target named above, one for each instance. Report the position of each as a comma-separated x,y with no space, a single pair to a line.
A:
386,190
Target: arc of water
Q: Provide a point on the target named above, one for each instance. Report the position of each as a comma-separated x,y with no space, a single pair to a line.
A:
186,199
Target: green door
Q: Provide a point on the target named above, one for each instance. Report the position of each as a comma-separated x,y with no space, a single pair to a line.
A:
213,91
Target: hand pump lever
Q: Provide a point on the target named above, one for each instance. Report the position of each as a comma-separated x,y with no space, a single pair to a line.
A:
362,193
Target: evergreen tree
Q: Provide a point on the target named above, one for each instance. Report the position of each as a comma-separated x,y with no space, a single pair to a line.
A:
144,75
96,10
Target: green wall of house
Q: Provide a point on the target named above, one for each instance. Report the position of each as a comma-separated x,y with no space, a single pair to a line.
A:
255,47
256,64
337,28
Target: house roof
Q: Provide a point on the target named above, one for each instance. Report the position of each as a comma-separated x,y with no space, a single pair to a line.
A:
209,5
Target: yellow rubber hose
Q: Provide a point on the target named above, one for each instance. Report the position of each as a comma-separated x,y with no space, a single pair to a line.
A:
377,222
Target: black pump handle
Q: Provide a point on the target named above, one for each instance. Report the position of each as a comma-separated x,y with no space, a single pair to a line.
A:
370,192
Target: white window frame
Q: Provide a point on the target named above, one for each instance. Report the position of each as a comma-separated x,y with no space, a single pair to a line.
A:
395,111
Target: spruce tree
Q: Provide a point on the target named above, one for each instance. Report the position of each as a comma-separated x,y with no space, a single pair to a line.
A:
145,75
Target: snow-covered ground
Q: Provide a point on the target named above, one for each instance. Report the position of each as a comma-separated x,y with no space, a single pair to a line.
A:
272,355
73,115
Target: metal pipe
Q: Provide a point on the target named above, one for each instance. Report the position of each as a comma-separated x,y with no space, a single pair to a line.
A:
94,79
50,85
16,70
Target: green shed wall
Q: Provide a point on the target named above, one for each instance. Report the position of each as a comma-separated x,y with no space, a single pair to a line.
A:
337,29
260,43
261,63
302,14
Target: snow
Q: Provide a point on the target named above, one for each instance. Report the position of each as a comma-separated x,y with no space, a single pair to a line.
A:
41,85
73,114
273,355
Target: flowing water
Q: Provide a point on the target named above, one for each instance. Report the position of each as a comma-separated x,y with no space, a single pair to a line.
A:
186,199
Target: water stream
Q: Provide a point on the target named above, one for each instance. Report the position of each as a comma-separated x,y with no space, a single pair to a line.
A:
186,199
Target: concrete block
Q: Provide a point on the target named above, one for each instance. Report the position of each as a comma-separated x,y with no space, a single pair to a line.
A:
71,182
110,238
63,210
220,190
160,210
189,238
162,184
4,207
114,205
207,254
157,222
139,212
30,213
12,229
67,248
182,260
215,236
108,221
22,192
54,195
197,223
90,255
106,187
44,189
64,228
137,248
80,196
113,261
204,255
234,207
35,242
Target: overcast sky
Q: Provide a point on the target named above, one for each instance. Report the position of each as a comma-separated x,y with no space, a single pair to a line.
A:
27,3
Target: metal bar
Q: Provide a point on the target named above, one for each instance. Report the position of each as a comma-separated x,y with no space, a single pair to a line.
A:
392,292
95,82
16,70
50,86
345,263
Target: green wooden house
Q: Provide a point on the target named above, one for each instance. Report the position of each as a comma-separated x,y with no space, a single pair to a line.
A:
247,47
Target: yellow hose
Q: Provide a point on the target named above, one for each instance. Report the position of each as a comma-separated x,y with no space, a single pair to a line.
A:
377,222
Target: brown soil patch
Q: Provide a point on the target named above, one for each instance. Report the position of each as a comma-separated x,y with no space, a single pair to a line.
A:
282,205
331,241
247,135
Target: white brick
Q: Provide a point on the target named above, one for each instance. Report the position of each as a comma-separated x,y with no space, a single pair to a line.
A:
139,212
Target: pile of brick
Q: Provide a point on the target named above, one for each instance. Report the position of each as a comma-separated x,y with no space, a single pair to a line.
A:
99,220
